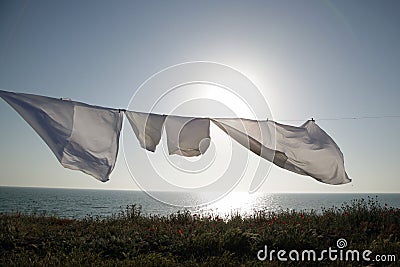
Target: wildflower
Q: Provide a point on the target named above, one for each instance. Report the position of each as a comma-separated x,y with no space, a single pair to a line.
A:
179,231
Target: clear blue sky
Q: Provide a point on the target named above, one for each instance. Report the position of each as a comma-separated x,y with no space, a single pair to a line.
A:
321,59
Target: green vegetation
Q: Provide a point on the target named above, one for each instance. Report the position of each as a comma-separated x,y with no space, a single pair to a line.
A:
185,239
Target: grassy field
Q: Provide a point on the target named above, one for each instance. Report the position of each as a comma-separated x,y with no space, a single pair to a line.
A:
185,239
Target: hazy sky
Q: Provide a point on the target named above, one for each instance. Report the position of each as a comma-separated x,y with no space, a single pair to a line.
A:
321,59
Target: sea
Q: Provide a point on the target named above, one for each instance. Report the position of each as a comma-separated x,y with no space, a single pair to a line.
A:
81,203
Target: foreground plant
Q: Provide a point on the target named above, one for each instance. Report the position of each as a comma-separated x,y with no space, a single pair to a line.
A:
185,239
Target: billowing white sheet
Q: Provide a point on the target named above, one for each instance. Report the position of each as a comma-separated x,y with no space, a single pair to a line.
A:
306,150
82,137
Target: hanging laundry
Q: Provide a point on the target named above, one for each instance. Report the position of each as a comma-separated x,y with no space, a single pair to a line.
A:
147,127
86,138
306,150
81,136
187,136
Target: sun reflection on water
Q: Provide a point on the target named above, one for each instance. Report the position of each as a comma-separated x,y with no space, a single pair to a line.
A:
241,203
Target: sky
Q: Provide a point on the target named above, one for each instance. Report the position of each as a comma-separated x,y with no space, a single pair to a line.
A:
320,59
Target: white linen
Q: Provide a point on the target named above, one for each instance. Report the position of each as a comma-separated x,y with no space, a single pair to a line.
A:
306,150
81,136
147,128
187,136
86,138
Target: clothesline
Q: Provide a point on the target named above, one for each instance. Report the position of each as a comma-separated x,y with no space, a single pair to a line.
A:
348,118
301,120
317,119
295,120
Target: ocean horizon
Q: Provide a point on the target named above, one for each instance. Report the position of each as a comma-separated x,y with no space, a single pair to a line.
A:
80,203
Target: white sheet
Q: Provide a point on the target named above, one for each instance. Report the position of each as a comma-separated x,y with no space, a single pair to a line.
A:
82,137
187,136
306,150
147,128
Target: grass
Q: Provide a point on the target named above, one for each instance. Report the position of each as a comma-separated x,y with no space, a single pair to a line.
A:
185,239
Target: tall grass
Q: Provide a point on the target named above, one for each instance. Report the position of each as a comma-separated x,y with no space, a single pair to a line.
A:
185,239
